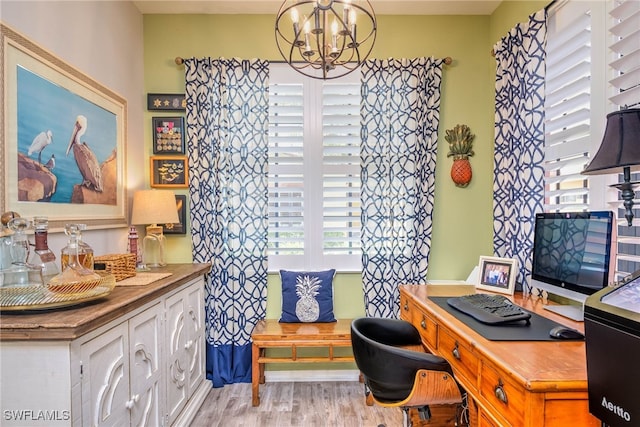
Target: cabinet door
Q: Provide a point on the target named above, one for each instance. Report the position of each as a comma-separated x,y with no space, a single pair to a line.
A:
176,340
146,391
195,329
185,346
105,378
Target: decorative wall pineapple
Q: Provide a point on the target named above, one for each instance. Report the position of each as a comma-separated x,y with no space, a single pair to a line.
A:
307,307
460,142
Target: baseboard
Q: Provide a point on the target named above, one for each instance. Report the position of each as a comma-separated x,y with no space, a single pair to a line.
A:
195,402
312,375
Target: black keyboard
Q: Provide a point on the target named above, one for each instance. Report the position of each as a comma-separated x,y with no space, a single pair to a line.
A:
489,309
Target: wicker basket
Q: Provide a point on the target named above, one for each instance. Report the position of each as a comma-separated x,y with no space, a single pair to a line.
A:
121,266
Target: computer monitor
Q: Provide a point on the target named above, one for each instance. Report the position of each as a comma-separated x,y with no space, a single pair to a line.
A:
573,256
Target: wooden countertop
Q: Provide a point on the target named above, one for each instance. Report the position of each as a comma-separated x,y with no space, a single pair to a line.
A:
70,323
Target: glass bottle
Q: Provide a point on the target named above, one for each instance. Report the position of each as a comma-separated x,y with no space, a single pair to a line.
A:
86,251
19,241
42,256
20,273
76,247
73,270
5,239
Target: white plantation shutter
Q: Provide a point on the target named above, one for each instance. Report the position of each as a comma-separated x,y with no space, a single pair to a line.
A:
286,170
625,48
579,94
341,163
314,171
568,107
624,83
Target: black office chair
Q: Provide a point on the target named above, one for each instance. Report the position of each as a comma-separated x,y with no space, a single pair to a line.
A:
398,377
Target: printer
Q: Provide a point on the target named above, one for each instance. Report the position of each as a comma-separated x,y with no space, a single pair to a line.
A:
612,339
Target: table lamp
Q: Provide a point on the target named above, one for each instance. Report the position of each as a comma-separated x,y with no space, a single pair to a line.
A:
620,152
154,207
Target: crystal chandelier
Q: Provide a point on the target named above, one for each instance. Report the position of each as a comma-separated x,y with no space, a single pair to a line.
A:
325,39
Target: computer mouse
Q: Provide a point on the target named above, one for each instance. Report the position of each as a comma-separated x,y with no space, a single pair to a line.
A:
565,333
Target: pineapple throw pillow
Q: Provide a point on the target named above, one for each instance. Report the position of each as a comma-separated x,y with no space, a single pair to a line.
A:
307,296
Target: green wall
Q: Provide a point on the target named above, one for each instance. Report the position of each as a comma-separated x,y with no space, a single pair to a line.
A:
462,221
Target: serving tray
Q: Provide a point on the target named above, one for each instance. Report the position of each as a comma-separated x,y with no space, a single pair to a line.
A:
21,298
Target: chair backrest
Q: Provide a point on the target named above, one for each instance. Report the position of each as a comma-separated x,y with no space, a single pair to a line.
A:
388,370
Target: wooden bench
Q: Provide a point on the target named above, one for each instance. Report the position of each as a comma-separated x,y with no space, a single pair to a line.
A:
272,334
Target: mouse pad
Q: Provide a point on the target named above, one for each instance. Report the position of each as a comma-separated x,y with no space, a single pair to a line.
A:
538,330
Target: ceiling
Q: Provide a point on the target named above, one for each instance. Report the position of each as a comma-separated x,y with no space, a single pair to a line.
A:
381,7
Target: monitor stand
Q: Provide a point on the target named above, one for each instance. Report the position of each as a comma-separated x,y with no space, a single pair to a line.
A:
573,312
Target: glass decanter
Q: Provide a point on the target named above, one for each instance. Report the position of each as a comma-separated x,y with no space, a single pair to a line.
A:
20,273
42,256
74,271
19,241
76,246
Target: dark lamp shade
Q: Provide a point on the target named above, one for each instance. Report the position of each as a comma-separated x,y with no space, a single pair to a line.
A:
620,145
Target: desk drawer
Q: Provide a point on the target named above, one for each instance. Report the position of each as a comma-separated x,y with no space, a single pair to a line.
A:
504,395
424,324
457,352
427,327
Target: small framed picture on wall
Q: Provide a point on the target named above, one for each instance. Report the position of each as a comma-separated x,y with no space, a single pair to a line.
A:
168,135
169,172
181,226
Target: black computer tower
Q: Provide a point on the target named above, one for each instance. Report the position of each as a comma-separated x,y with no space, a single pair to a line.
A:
612,332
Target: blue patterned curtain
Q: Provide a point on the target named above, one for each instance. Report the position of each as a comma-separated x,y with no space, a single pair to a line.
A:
400,114
227,124
518,183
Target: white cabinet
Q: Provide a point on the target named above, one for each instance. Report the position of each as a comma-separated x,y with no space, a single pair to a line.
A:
185,348
145,367
122,373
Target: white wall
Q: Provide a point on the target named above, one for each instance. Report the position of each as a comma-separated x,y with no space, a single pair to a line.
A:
103,39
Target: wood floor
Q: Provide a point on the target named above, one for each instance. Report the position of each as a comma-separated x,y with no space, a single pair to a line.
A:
292,404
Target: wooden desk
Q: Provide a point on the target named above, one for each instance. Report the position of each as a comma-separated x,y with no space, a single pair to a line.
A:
272,334
523,383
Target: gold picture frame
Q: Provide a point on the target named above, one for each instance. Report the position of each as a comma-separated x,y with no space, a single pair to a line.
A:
169,172
51,110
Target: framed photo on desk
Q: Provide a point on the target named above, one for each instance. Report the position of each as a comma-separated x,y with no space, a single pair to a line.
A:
497,274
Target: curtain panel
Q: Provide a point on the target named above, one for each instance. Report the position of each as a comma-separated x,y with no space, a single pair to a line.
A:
399,116
518,184
227,130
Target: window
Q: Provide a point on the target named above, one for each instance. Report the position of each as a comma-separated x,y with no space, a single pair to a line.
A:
314,171
572,112
579,94
624,81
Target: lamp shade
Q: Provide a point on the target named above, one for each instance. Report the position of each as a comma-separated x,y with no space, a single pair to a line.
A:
620,145
154,207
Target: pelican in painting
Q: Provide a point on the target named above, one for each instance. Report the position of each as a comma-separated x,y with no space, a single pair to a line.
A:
39,143
85,159
51,163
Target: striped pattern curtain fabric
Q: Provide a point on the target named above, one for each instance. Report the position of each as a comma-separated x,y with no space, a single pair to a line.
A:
226,125
518,186
400,117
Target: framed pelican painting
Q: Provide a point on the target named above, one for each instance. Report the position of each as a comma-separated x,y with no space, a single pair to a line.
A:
63,139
